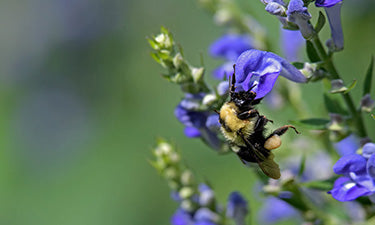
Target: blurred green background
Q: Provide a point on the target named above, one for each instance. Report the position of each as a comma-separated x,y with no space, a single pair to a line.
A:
81,103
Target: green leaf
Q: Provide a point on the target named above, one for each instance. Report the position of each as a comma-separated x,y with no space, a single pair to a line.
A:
312,124
334,104
320,23
351,86
298,65
311,52
373,116
302,165
322,185
368,78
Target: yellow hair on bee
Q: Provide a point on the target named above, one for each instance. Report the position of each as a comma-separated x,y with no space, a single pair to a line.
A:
272,142
228,114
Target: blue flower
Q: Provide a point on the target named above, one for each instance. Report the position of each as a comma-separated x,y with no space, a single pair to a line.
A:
348,145
198,123
237,208
291,43
229,47
181,217
275,210
359,174
299,15
260,68
333,11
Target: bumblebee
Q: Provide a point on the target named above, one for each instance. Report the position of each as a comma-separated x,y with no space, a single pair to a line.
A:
244,128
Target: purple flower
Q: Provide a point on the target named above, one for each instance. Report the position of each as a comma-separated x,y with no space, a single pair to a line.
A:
260,68
348,145
181,217
333,11
359,174
237,208
299,15
275,210
291,43
198,123
229,47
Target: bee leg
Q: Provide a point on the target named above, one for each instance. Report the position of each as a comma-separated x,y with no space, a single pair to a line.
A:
261,122
280,131
273,141
248,114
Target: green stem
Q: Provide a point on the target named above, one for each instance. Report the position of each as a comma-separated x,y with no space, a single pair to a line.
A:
330,67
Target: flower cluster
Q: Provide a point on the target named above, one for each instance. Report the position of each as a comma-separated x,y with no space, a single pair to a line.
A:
358,172
295,15
198,122
197,204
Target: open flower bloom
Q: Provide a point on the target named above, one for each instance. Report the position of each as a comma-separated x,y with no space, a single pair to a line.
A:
261,68
229,47
333,11
237,208
359,175
299,15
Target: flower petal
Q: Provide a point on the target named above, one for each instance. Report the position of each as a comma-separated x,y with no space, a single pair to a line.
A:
288,70
326,3
371,166
192,132
346,146
230,46
237,208
336,43
350,163
368,150
348,192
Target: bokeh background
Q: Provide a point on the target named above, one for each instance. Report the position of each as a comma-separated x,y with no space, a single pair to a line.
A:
81,103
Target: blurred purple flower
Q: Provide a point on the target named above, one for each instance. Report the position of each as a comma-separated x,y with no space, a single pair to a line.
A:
333,11
299,15
348,145
291,43
359,174
229,47
181,217
237,208
275,210
198,123
260,68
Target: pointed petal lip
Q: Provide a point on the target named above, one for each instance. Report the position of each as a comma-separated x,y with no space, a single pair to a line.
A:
348,192
288,70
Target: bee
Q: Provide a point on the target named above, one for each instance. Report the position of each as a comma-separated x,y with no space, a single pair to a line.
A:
244,128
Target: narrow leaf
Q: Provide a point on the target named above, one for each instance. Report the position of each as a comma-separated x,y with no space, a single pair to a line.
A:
351,86
313,123
302,165
320,23
311,52
319,185
368,78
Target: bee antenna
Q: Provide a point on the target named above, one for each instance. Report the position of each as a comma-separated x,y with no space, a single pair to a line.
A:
231,83
251,88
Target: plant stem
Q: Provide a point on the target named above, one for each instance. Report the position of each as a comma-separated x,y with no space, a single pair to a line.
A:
330,67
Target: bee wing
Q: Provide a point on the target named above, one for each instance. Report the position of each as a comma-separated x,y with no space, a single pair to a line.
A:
270,167
267,165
